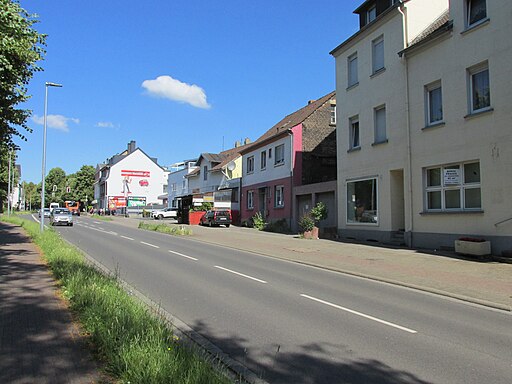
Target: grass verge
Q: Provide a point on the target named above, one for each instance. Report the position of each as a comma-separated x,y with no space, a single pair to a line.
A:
165,228
136,345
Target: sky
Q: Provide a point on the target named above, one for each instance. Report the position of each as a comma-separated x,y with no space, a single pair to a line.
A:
178,77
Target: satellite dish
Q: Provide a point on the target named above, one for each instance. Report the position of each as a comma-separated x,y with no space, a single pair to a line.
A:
231,166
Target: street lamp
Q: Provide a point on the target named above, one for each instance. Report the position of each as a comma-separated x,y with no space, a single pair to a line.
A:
43,172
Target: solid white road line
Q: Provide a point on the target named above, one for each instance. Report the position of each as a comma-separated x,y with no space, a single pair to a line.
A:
360,314
241,274
151,245
126,237
182,255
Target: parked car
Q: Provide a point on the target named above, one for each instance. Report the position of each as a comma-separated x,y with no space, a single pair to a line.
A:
61,216
46,212
166,213
217,217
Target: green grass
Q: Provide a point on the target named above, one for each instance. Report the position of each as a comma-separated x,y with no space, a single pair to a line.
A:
100,217
134,343
164,228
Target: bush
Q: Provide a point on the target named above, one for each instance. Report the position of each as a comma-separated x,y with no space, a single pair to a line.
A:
259,221
206,206
319,212
306,223
279,226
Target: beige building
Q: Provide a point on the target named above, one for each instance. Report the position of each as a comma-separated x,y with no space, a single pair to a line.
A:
423,135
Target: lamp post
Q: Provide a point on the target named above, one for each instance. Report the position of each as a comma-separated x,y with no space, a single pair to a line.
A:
43,172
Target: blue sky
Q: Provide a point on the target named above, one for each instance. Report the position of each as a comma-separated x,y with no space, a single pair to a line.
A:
178,77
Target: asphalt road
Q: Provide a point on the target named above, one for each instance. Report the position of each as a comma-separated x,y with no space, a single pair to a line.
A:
291,323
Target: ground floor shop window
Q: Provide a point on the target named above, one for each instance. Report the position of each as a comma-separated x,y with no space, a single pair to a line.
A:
454,187
362,201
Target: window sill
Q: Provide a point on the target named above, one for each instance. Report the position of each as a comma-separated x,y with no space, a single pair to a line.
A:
480,112
352,86
476,25
279,164
378,72
437,124
355,149
379,142
456,212
331,124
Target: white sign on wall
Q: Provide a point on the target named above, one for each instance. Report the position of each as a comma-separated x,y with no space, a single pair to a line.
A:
451,176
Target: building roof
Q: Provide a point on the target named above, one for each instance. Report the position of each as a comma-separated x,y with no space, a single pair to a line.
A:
438,28
292,120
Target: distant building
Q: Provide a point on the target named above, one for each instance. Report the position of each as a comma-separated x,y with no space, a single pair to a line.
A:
129,179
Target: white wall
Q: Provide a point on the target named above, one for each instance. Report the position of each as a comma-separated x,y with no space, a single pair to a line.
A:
271,171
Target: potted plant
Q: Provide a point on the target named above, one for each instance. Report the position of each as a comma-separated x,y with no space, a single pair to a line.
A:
472,246
307,227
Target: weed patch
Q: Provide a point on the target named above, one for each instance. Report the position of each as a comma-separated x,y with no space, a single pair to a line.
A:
179,230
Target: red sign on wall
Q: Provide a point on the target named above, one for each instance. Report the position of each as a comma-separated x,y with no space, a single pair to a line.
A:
132,173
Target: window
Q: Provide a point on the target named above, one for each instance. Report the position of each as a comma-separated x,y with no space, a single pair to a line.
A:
263,159
250,164
250,199
453,187
371,14
476,11
434,103
479,88
378,54
279,159
354,133
270,153
333,114
352,70
205,172
173,187
380,124
362,201
279,196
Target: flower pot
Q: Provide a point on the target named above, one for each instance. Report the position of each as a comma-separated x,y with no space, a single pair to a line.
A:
473,247
313,234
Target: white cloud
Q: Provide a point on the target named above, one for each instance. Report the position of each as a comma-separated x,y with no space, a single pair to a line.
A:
104,124
169,88
58,122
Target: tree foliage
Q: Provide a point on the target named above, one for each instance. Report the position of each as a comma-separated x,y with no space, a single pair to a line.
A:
21,47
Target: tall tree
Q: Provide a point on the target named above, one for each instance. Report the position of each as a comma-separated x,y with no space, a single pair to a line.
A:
55,186
21,47
32,195
84,183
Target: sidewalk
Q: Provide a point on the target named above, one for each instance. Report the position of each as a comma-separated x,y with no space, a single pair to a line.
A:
39,343
481,282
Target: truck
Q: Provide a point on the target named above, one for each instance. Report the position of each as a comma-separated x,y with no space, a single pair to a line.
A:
73,206
54,205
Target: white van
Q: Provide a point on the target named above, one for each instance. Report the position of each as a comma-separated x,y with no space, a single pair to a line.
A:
54,205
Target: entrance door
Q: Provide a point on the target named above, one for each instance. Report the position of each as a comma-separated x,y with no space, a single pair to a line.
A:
262,201
397,200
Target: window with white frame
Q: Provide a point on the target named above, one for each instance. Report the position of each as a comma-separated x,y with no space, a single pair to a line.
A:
263,159
354,132
279,196
250,164
250,199
379,115
173,187
362,201
433,103
353,78
378,54
476,11
205,172
479,88
279,155
453,187
371,14
333,114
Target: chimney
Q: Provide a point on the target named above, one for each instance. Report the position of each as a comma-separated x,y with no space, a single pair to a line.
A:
237,144
247,141
311,101
131,146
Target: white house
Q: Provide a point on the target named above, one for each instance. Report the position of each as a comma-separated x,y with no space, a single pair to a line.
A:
424,127
129,179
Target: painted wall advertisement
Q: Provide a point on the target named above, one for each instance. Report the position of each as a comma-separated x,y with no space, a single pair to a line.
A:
118,202
127,177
